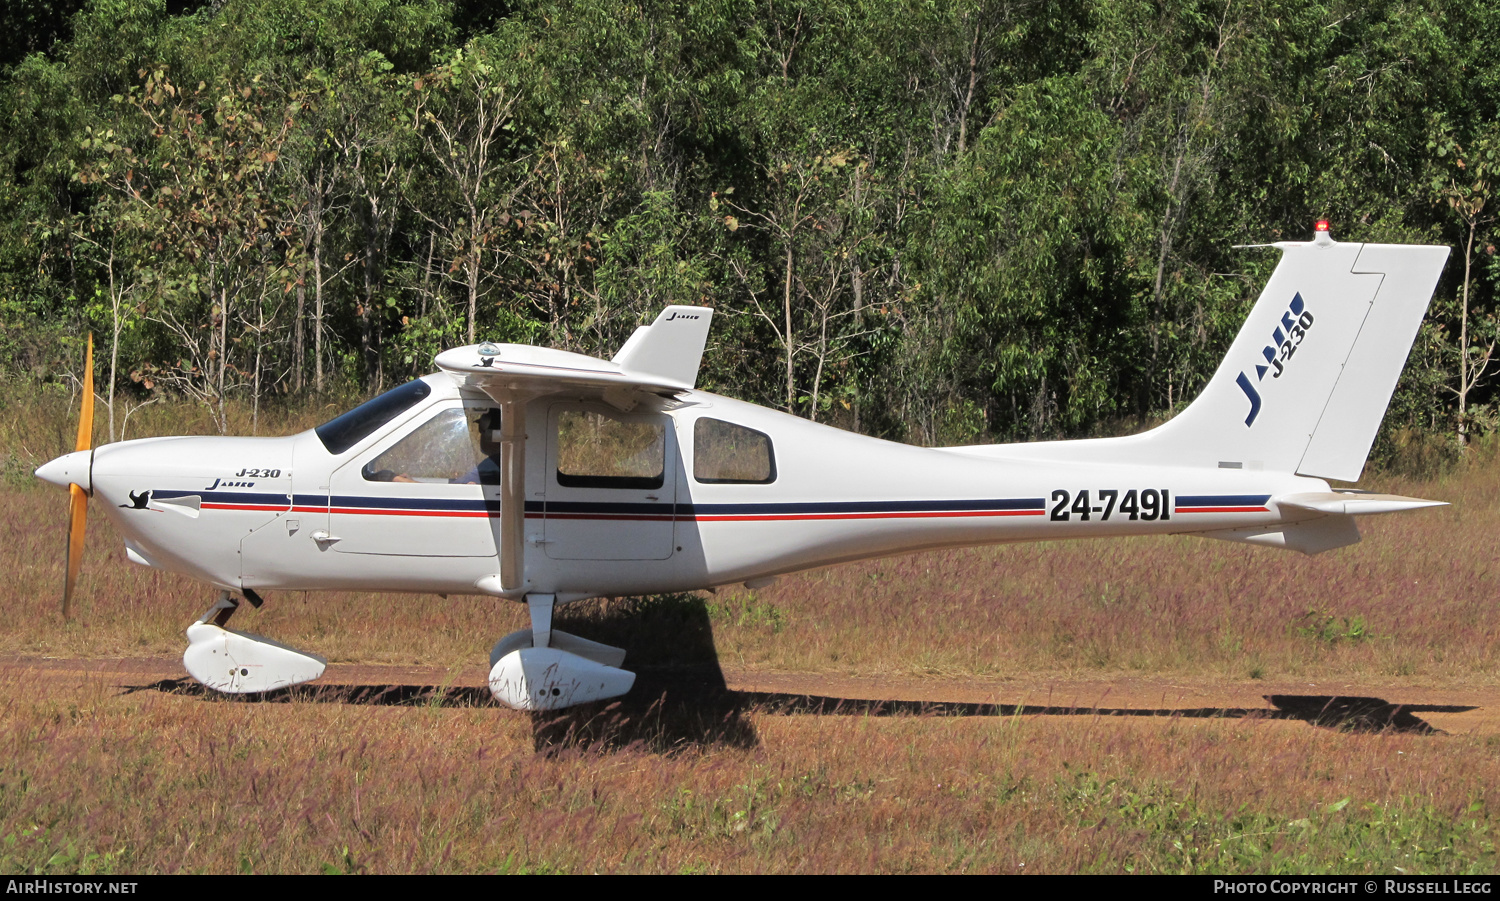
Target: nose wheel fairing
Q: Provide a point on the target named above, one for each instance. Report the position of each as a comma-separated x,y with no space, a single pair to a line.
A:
242,662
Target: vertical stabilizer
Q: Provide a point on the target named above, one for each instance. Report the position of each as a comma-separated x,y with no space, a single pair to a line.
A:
1307,380
670,347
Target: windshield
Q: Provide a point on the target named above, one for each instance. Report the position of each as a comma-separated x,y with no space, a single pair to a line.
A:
338,435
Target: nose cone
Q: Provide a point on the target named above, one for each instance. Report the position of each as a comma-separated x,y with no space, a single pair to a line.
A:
69,469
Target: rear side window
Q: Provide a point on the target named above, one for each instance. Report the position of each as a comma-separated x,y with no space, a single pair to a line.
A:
725,453
338,435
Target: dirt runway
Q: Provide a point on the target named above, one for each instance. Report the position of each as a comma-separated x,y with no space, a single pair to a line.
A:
1372,705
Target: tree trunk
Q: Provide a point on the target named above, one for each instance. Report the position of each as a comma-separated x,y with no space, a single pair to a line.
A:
114,342
223,353
791,393
1463,346
318,314
473,285
299,380
968,101
260,332
368,339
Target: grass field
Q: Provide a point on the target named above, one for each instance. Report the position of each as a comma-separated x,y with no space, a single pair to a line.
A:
119,773
97,782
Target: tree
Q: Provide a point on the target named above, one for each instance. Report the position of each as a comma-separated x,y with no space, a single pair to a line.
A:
1463,183
200,191
374,138
818,215
109,247
463,111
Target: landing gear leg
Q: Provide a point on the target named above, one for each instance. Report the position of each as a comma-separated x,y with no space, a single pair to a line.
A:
542,668
241,662
540,607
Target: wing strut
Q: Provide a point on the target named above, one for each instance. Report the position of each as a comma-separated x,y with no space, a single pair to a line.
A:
512,494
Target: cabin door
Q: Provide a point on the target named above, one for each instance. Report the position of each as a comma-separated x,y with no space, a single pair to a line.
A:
611,484
430,488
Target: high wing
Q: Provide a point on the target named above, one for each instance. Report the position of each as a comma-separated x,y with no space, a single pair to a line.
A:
659,360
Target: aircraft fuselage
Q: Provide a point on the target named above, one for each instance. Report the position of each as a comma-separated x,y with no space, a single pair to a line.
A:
286,513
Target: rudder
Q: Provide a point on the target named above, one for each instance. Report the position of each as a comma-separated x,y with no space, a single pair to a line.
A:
1307,380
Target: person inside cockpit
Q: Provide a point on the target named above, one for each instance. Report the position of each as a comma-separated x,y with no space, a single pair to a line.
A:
458,446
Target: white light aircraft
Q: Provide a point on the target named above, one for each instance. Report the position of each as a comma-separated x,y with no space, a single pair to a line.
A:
548,477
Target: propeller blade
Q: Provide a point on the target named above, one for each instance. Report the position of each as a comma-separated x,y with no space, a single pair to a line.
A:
77,520
86,414
78,513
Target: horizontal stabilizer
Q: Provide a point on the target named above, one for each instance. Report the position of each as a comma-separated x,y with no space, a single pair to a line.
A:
1313,536
1354,503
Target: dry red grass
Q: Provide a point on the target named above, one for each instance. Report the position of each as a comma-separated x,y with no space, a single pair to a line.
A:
160,782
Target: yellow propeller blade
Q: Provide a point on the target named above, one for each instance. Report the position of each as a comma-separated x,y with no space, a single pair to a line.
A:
79,499
77,519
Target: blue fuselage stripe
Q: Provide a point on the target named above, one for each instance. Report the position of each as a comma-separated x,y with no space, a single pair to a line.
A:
1221,500
354,504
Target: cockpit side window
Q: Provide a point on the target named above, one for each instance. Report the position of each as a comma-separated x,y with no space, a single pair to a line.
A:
457,446
595,450
342,433
725,453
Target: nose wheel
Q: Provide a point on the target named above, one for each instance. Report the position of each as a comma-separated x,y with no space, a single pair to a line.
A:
236,662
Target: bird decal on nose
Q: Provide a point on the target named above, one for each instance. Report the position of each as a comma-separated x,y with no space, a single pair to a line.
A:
138,501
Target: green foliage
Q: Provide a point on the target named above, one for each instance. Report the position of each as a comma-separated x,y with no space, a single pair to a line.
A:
939,222
1180,835
746,609
1326,628
37,851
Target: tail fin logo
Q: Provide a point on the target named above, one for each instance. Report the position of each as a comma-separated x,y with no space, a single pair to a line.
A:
1285,339
1244,382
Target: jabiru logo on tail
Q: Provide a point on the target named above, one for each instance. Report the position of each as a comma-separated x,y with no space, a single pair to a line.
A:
1285,340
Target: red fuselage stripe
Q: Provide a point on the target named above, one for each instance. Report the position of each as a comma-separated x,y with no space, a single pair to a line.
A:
747,517
778,517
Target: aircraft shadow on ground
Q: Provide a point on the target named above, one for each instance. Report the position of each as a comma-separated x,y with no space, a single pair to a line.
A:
681,700
677,710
